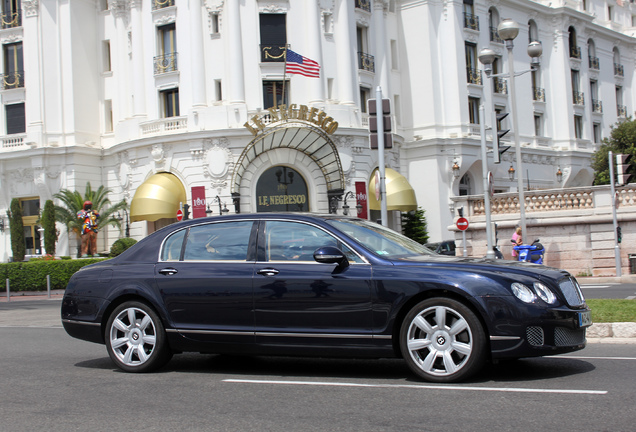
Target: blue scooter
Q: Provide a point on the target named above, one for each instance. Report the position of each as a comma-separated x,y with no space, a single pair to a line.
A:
531,253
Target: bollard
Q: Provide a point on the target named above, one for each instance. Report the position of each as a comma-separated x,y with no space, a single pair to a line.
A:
48,286
8,291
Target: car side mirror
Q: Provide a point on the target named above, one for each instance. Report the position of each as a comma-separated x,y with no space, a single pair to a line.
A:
331,255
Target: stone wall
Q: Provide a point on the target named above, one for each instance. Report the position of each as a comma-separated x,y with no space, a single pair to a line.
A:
578,236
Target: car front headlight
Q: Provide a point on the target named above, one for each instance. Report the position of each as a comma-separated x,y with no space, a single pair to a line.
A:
522,292
544,293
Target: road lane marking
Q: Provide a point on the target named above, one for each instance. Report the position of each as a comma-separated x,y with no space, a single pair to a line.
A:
592,358
594,286
413,386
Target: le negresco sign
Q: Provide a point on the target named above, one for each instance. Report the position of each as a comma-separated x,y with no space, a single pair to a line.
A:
294,112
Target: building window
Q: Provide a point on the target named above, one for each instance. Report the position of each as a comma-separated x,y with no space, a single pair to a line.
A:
214,22
11,14
275,94
365,60
16,118
464,186
473,110
538,125
596,129
30,215
166,61
218,88
273,37
471,21
575,50
473,74
397,109
578,127
394,55
610,13
108,116
533,31
365,95
106,55
13,76
170,102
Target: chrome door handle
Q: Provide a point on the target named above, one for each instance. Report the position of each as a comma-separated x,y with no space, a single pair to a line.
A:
168,271
268,272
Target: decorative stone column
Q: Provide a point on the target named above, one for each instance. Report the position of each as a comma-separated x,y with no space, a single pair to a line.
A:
138,58
197,55
237,75
314,49
345,43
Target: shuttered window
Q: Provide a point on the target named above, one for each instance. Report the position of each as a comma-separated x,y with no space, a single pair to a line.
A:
16,120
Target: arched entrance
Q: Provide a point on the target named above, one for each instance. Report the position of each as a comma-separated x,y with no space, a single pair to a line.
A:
297,145
281,188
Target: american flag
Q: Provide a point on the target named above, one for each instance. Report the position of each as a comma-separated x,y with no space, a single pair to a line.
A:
297,64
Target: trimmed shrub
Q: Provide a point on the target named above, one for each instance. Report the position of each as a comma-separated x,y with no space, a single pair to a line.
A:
121,245
31,275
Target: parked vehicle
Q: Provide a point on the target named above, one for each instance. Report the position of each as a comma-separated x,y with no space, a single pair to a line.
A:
446,247
531,253
309,285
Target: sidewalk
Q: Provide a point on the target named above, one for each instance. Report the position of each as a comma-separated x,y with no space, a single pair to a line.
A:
32,295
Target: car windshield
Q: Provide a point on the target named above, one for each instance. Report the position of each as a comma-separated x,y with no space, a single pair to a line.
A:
380,240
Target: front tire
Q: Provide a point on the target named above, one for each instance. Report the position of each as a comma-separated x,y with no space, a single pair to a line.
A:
136,339
442,340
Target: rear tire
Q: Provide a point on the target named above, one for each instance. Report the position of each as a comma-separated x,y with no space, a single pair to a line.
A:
136,339
442,340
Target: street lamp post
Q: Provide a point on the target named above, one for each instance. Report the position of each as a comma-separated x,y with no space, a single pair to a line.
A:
508,30
486,57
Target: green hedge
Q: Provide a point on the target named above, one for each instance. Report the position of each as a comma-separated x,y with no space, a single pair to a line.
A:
31,275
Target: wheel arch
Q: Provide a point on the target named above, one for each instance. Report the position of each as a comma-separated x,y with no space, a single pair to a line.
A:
424,295
123,298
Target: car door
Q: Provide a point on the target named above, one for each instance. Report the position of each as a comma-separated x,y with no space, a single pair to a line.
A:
205,279
299,301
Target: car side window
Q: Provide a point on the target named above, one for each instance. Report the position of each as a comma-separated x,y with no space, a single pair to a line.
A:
218,242
172,246
293,241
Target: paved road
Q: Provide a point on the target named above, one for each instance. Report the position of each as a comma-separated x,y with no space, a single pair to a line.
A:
55,383
609,290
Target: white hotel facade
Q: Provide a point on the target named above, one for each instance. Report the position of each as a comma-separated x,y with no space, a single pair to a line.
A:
152,98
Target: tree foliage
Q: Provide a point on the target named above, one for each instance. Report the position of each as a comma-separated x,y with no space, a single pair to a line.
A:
73,202
47,220
16,226
414,225
622,140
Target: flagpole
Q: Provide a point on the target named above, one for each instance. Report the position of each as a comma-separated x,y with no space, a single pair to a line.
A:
284,76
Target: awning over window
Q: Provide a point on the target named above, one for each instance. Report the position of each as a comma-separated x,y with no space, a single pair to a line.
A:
399,193
157,198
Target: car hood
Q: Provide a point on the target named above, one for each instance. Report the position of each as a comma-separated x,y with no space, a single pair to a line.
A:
484,265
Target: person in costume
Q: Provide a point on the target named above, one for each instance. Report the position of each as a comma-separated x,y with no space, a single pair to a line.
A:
89,229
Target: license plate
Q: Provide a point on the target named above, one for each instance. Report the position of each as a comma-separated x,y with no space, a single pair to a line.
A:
585,319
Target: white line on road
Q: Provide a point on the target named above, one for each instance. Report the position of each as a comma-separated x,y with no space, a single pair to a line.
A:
594,286
592,358
422,387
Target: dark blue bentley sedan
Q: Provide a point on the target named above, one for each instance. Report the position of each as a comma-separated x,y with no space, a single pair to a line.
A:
309,285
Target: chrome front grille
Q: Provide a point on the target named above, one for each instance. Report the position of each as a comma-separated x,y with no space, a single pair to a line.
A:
566,337
534,335
571,291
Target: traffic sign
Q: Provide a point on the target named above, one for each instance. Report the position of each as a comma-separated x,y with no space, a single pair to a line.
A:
179,214
462,224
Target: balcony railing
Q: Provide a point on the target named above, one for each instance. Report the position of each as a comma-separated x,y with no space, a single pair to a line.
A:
13,80
473,76
165,63
621,110
365,5
165,126
11,19
471,21
366,62
575,52
494,35
160,4
578,98
272,53
597,106
12,141
594,63
538,94
500,85
618,70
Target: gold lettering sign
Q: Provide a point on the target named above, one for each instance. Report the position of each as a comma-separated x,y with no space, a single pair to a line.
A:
283,112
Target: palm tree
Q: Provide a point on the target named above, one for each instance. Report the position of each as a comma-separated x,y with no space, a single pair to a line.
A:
73,202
